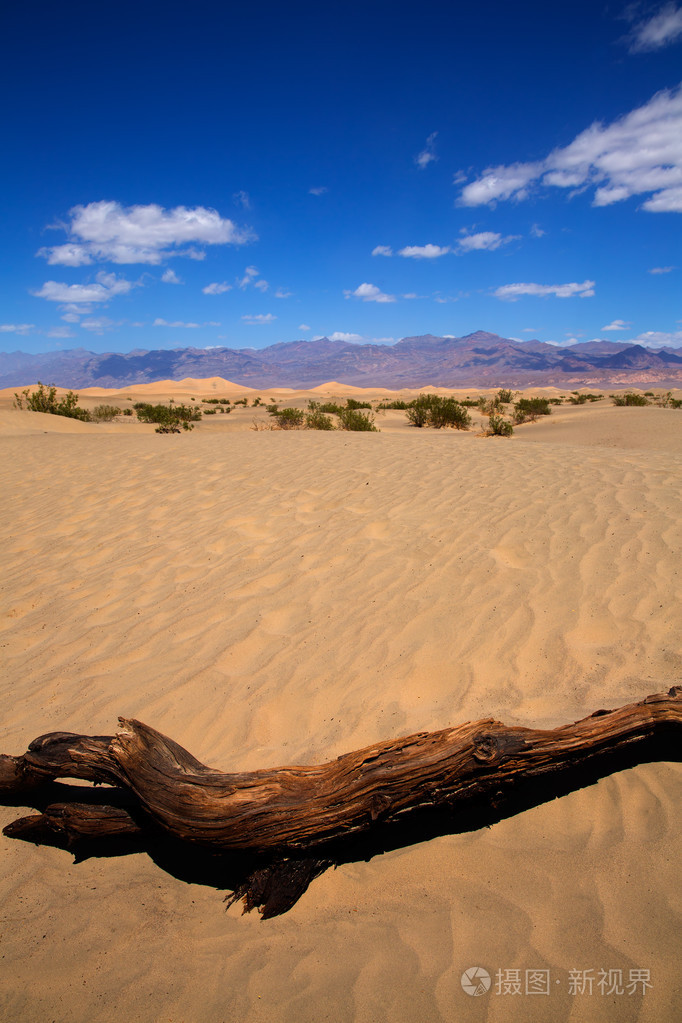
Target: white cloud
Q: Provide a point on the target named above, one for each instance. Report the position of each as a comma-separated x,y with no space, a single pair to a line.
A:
259,318
250,274
113,233
217,288
639,153
660,30
659,339
243,199
428,153
411,294
303,326
513,291
158,322
619,325
16,328
662,269
60,332
170,277
536,231
97,325
261,285
489,240
66,255
382,250
339,335
369,293
424,251
321,190
282,293
105,288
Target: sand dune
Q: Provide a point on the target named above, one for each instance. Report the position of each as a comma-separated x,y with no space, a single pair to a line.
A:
270,598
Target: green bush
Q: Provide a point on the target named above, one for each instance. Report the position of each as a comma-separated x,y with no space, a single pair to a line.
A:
170,418
432,410
328,407
498,426
528,409
210,411
105,413
290,418
397,404
316,420
127,412
505,396
353,404
45,400
358,422
629,399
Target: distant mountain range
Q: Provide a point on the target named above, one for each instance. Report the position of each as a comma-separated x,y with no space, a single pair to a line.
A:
479,359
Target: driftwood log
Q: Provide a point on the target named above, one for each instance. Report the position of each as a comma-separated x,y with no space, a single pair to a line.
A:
284,826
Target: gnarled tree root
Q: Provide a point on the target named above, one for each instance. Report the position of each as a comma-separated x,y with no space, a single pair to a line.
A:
291,823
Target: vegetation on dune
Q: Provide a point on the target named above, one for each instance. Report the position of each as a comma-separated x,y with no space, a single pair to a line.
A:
170,418
629,399
106,413
44,399
357,421
528,409
498,426
437,412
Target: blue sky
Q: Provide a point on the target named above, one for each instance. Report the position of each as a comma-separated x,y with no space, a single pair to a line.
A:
213,174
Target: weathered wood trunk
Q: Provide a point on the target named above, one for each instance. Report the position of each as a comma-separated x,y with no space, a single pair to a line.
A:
294,815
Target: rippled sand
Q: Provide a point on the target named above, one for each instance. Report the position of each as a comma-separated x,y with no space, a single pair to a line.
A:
267,598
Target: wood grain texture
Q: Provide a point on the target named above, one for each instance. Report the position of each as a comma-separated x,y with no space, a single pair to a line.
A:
293,815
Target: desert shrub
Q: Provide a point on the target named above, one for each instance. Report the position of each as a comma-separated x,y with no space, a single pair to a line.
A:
629,399
328,407
648,394
505,396
353,404
448,412
127,412
273,409
316,420
210,401
667,401
578,399
290,418
528,409
257,402
169,418
418,414
357,421
555,401
432,410
498,426
44,399
105,413
210,411
397,404
469,402
242,401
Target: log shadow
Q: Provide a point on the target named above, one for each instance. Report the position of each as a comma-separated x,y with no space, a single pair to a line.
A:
274,882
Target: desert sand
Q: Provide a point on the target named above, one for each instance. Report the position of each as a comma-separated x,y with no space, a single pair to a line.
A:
284,597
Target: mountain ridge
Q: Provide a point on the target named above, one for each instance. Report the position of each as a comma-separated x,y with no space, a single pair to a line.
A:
478,359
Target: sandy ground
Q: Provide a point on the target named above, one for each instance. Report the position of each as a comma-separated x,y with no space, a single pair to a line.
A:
284,597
